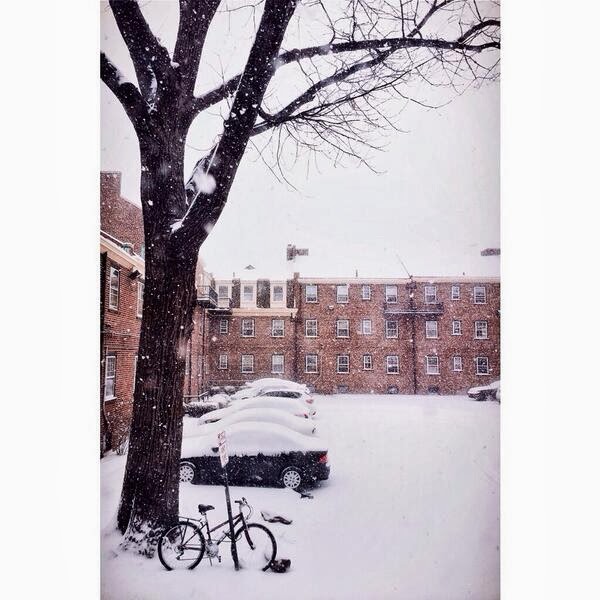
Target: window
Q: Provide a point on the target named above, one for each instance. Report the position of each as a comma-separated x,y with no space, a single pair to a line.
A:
140,298
223,292
457,363
479,295
366,327
392,364
481,330
277,294
277,363
367,362
342,293
248,294
223,362
110,376
432,365
366,292
247,327
455,294
342,389
277,328
311,363
392,389
481,365
391,293
311,293
188,360
113,294
456,327
247,363
430,294
391,329
342,327
135,359
223,326
431,329
311,328
343,363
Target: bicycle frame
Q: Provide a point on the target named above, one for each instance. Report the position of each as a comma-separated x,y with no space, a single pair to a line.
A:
239,518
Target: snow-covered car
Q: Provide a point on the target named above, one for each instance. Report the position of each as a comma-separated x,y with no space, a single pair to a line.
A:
259,415
485,392
276,382
259,453
289,405
275,392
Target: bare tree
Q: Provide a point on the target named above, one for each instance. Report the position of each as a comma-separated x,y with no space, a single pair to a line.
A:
369,51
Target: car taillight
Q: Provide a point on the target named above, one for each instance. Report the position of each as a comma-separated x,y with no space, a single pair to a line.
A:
309,400
323,458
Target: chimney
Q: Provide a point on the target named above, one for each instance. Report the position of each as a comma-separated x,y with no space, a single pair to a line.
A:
110,184
290,252
491,252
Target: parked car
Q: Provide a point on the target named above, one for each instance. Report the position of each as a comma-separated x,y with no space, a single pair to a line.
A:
260,415
485,392
289,405
259,453
274,392
276,382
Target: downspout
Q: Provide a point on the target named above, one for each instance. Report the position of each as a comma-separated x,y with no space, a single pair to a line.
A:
107,428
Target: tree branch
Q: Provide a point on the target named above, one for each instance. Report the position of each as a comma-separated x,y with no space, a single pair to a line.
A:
150,59
126,92
195,17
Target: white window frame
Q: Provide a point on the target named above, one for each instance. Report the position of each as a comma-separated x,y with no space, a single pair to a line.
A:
365,288
243,368
223,362
282,321
224,326
428,324
432,364
110,373
388,333
140,299
476,290
367,358
338,363
457,364
391,294
223,300
366,330
342,298
487,365
316,363
273,357
114,283
309,298
306,322
392,364
455,296
243,300
430,294
135,361
283,287
456,327
337,328
481,326
248,335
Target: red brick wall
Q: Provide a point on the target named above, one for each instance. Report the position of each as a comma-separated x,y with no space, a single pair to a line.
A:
121,337
119,217
262,346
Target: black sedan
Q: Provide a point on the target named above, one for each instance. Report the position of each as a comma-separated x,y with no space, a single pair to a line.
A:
263,454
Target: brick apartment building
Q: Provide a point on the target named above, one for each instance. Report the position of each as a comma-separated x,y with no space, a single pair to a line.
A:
394,335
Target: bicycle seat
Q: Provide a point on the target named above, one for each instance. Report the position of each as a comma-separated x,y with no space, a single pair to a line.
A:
203,508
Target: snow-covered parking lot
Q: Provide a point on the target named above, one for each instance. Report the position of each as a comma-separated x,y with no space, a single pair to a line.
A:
411,510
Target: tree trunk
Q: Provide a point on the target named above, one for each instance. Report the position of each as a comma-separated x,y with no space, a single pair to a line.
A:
150,495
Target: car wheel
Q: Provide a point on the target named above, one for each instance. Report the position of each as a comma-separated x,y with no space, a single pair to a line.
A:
187,472
291,478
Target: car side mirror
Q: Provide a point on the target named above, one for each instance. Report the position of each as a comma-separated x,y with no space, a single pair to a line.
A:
215,449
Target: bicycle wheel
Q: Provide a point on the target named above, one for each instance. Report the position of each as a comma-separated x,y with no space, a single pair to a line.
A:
181,547
256,547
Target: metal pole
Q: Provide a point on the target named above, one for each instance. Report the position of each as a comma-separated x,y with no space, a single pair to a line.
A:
230,517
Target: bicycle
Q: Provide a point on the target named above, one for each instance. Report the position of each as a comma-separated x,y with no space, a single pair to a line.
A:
183,545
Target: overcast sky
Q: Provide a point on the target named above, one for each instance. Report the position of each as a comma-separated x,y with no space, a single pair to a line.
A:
434,206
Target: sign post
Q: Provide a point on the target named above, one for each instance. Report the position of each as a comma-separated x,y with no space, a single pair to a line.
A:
224,460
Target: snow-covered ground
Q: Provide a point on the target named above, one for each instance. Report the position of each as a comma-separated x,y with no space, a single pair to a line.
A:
411,510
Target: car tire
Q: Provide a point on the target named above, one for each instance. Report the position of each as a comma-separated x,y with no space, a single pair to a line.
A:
291,477
187,472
